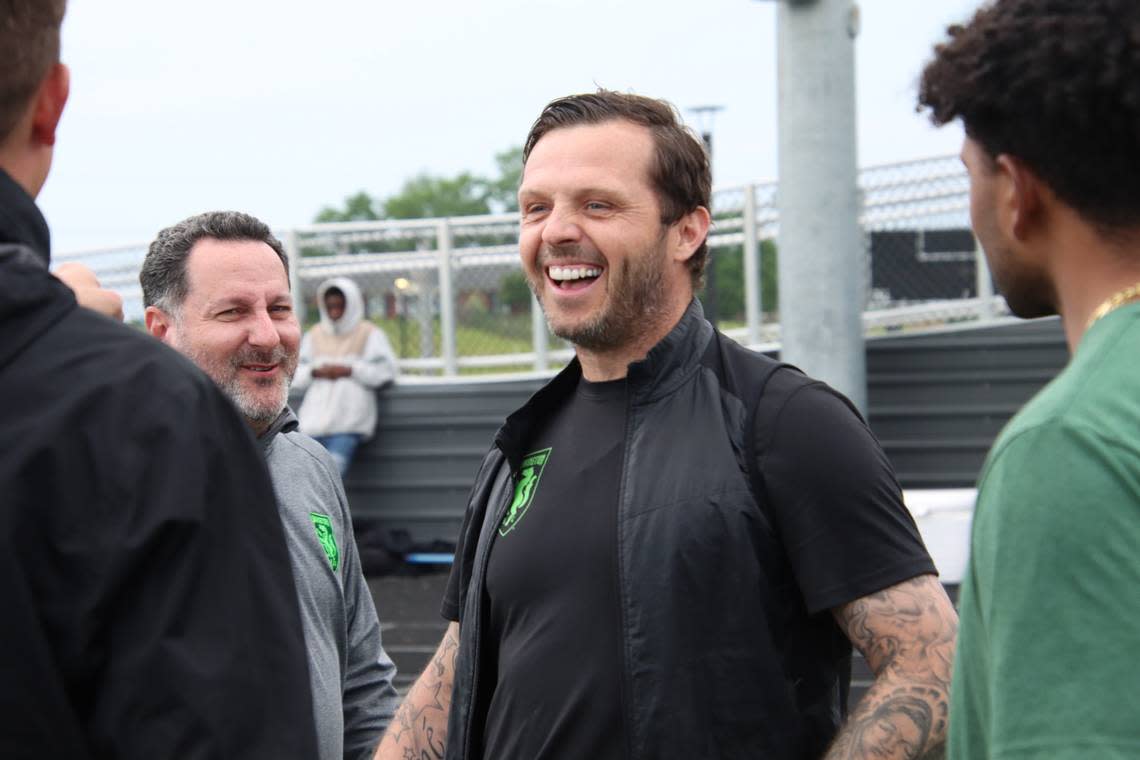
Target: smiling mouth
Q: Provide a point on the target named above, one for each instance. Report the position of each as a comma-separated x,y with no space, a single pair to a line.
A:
573,277
260,368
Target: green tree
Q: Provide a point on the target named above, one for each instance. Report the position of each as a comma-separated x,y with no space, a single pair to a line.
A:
514,292
360,207
503,192
729,263
426,195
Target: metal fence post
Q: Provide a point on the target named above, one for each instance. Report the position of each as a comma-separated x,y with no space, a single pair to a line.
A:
538,333
293,254
821,304
446,299
752,302
985,285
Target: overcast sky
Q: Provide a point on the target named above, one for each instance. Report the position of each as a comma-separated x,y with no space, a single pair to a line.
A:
279,107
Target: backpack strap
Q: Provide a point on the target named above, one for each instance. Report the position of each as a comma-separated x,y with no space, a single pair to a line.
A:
764,385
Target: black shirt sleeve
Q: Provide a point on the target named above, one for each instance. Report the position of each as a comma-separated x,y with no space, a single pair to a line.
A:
449,609
835,501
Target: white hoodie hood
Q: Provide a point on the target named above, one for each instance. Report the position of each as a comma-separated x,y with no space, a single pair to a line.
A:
353,305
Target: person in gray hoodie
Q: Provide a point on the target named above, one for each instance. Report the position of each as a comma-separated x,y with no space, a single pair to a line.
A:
216,288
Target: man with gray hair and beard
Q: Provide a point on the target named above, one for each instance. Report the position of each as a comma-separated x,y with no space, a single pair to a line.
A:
216,288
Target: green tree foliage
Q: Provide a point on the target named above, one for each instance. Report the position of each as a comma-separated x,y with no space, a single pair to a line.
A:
729,263
357,208
503,192
514,292
426,196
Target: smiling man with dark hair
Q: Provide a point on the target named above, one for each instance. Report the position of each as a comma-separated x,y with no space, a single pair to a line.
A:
671,548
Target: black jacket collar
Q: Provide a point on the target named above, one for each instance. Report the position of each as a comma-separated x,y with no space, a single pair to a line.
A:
673,360
21,221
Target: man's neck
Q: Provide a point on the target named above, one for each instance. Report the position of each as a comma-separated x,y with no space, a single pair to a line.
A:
25,167
1090,271
613,364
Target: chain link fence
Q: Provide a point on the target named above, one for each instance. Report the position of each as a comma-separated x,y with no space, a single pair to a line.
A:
452,298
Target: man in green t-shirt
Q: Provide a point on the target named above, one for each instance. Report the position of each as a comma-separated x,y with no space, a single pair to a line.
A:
1050,605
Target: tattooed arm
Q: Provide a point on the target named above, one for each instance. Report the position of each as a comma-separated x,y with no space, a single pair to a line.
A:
419,729
906,633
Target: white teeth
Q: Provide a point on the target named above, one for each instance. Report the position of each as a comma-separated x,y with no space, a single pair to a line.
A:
573,273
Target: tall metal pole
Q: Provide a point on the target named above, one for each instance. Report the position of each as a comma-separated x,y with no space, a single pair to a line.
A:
446,300
752,305
293,254
820,277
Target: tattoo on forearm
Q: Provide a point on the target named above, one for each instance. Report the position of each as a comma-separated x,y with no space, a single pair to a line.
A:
419,727
907,635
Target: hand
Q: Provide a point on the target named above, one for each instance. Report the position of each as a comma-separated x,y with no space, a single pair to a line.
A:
88,293
332,371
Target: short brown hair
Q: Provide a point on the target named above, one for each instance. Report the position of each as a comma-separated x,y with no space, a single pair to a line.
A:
163,273
680,173
29,38
1055,84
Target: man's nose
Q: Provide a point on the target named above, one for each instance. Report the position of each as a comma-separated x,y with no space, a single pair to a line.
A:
263,332
561,227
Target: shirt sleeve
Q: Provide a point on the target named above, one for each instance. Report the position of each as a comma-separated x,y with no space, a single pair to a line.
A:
835,501
370,698
377,364
449,609
303,377
1056,608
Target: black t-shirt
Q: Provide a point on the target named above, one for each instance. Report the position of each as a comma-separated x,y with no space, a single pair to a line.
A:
837,531
551,662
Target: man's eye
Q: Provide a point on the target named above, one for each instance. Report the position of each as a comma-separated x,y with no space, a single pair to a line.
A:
597,206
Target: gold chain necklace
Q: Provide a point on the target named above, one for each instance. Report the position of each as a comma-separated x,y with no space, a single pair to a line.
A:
1113,302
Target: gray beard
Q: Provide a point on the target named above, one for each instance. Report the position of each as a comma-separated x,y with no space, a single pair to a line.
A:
257,414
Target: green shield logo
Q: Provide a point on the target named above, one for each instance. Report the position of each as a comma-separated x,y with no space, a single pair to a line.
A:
529,475
327,538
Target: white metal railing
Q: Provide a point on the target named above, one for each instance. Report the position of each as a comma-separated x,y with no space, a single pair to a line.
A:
442,284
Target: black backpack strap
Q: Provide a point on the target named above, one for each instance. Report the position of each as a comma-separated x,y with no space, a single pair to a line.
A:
763,385
763,408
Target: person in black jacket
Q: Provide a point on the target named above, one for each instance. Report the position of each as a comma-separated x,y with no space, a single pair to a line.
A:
671,548
149,607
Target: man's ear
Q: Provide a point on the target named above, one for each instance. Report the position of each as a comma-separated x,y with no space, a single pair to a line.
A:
1021,200
158,323
50,100
692,229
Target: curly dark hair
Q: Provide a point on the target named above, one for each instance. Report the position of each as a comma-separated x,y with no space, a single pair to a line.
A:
680,173
1055,83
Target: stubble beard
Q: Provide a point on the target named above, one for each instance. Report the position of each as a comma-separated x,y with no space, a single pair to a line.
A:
226,374
636,299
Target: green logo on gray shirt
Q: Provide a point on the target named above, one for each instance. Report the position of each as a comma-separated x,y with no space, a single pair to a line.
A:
327,538
529,475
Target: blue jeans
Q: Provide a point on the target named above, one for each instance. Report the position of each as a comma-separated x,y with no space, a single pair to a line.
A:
342,446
